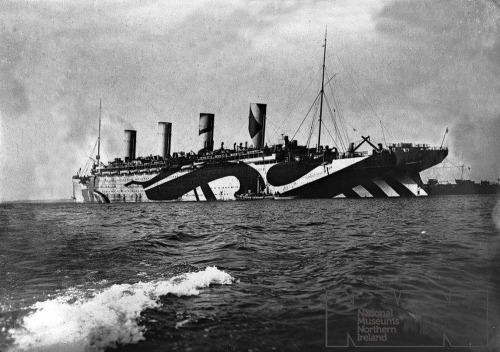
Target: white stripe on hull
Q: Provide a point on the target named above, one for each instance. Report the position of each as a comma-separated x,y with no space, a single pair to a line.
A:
189,196
313,175
167,179
362,192
113,188
201,195
385,187
224,188
411,185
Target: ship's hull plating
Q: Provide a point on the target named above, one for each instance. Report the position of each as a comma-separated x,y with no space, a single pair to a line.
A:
368,176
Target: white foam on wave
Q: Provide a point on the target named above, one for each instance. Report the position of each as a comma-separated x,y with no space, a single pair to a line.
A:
77,322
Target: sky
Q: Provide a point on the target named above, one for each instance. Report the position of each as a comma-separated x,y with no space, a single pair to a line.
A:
415,67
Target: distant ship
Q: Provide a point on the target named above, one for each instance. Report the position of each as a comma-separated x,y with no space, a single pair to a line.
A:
433,187
285,170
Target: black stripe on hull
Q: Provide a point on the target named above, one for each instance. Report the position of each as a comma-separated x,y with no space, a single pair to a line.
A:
287,172
106,199
343,181
349,193
417,179
397,186
177,187
359,174
382,166
373,189
388,167
207,191
159,177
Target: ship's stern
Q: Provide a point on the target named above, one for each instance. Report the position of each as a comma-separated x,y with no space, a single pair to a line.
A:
84,191
80,190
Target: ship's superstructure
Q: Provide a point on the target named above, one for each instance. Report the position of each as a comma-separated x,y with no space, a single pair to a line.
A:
285,169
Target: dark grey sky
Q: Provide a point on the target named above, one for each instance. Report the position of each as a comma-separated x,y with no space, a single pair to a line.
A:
423,66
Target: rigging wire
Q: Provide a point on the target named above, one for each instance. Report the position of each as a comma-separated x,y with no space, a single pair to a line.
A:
357,74
368,102
269,123
340,109
313,126
87,165
334,121
287,116
337,130
340,128
305,117
329,78
333,139
311,130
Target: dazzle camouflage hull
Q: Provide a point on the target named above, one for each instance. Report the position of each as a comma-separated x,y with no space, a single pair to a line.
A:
391,174
285,169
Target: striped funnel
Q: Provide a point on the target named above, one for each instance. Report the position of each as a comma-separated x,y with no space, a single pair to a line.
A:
257,124
207,131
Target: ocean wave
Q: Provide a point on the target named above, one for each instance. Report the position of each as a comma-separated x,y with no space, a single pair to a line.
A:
92,321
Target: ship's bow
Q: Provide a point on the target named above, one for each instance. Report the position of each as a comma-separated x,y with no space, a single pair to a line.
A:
417,158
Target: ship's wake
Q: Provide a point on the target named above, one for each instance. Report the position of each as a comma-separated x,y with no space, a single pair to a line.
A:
94,321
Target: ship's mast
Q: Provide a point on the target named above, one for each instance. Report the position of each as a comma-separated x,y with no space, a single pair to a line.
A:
322,93
98,157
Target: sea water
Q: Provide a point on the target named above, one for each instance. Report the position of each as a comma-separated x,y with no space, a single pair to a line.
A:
290,275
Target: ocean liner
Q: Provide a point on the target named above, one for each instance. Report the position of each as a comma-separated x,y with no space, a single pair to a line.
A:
285,170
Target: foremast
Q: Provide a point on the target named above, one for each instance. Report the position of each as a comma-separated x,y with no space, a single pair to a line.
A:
322,94
98,156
